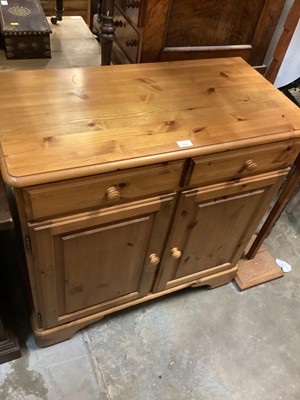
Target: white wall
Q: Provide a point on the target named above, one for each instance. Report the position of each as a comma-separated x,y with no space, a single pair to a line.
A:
290,67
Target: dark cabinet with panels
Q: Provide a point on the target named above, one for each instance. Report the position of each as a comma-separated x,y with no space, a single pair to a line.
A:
151,30
128,21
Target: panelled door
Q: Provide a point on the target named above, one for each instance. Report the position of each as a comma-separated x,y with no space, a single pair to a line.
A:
213,226
94,261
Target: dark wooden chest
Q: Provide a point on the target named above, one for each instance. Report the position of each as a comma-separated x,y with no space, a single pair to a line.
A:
25,30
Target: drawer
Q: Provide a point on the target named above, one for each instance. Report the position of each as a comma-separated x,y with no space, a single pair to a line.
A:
130,8
241,163
126,36
101,190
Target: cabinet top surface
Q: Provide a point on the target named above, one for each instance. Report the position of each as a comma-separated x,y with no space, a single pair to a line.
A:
65,123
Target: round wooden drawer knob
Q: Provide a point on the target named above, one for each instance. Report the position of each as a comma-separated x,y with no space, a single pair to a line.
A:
250,165
175,252
154,259
113,193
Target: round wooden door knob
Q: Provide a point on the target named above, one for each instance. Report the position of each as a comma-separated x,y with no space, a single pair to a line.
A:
113,193
250,165
154,259
175,252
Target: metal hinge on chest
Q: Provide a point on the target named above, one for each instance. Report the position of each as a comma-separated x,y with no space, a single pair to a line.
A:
27,242
39,320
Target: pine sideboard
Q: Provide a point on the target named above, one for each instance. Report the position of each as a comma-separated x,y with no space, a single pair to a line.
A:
135,181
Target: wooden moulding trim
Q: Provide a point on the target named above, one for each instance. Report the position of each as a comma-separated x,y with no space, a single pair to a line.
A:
74,326
200,275
54,176
179,283
209,48
209,280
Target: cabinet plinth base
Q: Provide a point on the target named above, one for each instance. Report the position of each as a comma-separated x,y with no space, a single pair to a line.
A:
219,279
48,337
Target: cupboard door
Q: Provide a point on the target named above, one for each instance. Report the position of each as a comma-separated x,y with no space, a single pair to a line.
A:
213,226
191,29
95,261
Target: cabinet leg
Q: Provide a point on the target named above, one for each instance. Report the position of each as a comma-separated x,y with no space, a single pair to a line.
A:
219,279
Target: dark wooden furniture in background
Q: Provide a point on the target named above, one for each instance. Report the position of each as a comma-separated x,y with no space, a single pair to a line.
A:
107,30
24,31
9,348
67,7
59,9
151,30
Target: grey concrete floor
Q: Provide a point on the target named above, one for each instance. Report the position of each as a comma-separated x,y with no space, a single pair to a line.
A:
196,344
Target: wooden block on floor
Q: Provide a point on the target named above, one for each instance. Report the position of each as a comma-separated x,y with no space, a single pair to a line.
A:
262,268
72,45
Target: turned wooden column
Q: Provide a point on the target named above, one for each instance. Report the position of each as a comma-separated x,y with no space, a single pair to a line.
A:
107,30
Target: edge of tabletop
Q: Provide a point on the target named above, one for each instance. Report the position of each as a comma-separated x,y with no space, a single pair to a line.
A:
127,163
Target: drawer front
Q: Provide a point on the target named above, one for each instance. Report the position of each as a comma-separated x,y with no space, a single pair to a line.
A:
130,8
100,190
126,36
241,163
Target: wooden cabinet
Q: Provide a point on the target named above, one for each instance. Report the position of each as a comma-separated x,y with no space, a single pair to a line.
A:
193,29
86,265
156,185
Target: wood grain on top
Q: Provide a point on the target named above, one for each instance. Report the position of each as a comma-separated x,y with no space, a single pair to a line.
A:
65,123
